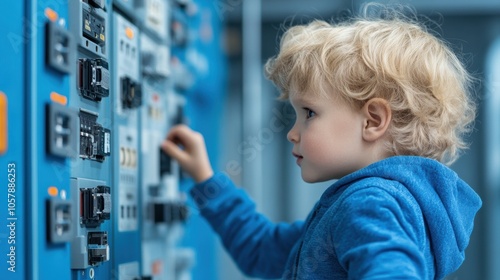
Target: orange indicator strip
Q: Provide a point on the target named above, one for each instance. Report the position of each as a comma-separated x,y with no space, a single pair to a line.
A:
58,98
3,123
51,14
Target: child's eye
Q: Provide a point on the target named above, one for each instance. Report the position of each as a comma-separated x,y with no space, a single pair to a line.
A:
309,113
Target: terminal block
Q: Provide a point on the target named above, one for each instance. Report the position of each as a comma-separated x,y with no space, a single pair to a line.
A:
93,79
94,139
95,205
131,93
98,249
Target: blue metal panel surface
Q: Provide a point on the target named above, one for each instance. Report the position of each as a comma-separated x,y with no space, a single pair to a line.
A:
126,86
90,169
78,211
46,260
12,155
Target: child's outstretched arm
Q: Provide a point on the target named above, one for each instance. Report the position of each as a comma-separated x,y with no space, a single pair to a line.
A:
188,148
259,246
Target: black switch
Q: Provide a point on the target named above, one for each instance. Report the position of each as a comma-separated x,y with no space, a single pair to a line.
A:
165,163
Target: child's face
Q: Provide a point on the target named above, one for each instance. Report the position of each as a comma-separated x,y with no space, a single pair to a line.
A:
327,138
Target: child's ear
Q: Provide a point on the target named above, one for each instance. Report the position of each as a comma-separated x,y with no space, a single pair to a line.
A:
377,117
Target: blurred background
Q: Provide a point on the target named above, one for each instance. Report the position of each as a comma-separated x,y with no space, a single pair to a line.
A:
253,148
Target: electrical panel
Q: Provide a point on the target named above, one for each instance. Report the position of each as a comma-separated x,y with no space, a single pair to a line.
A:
92,88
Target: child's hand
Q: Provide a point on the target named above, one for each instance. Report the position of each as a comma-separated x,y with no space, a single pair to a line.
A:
193,156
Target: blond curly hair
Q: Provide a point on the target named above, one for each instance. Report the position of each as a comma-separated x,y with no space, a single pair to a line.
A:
397,59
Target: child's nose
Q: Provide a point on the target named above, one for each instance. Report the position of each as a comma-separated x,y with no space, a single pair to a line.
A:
293,135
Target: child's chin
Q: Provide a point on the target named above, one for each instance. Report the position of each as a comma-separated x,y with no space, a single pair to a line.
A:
315,178
309,179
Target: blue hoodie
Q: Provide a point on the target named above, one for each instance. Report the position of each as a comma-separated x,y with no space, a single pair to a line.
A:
402,217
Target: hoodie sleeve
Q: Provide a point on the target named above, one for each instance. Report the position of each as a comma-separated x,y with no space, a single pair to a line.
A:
377,235
259,246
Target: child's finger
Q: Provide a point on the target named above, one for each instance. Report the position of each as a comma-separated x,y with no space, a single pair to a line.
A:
174,151
181,134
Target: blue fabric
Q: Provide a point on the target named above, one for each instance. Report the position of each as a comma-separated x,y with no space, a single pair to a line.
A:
403,217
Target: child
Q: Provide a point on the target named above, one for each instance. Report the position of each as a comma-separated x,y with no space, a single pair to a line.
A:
380,105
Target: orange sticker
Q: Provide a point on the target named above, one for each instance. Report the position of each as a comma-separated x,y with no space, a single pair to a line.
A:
3,123
51,14
53,191
129,33
58,98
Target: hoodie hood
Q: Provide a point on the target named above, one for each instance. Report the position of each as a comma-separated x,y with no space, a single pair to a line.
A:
448,204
